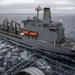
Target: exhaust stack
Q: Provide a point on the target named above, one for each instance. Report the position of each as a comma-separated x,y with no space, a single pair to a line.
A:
46,16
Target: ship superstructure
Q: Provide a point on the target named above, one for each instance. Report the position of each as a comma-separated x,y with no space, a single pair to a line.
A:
45,30
45,34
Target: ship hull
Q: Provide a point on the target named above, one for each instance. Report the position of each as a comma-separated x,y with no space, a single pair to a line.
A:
40,45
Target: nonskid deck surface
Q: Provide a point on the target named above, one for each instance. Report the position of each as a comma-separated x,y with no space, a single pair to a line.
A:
24,57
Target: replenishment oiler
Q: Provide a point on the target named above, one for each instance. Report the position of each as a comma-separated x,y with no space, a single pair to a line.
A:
45,34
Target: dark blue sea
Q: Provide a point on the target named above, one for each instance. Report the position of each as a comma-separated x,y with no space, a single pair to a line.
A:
67,20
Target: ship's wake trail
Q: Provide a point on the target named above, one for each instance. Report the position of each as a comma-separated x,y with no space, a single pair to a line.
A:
11,54
57,56
15,57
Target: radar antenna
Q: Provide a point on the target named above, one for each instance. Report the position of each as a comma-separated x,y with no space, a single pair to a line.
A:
38,9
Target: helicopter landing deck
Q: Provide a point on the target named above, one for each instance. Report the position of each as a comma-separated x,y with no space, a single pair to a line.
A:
69,44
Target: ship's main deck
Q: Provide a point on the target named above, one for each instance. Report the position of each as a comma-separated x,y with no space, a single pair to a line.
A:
67,43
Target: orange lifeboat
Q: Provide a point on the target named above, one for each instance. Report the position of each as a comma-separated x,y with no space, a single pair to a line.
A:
26,32
35,34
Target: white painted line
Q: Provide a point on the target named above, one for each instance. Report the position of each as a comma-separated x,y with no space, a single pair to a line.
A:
67,47
65,43
73,47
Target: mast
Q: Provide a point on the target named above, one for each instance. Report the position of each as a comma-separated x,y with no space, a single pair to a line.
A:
38,9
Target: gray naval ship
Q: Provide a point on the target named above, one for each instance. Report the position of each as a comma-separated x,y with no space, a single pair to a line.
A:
45,34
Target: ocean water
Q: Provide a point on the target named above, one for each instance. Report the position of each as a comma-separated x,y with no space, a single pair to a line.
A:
67,20
69,24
